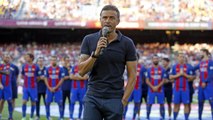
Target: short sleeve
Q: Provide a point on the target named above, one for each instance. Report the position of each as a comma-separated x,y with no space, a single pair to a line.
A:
131,51
85,46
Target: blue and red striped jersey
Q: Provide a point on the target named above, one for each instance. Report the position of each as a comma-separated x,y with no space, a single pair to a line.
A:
7,79
206,70
30,74
140,75
54,75
181,83
156,76
77,83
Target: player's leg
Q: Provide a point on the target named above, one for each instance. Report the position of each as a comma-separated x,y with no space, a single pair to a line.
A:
186,100
73,98
24,103
8,97
58,99
177,102
34,98
64,100
137,98
1,107
168,97
82,93
38,105
10,109
48,100
211,104
150,101
161,98
201,99
15,94
190,100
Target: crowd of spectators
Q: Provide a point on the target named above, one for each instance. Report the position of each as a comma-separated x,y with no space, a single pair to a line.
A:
131,10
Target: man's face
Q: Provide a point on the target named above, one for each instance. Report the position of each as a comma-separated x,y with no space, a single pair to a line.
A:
40,61
53,61
110,19
27,58
202,54
67,61
155,60
6,58
165,63
181,58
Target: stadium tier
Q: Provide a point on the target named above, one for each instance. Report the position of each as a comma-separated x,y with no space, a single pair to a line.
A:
137,14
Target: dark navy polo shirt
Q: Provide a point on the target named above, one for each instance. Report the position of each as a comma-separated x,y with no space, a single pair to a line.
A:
168,85
41,85
66,85
106,77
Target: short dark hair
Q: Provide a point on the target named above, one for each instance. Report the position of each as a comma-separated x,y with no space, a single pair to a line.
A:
31,55
206,51
166,59
111,7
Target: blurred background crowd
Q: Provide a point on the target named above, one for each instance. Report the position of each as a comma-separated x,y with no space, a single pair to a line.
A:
132,10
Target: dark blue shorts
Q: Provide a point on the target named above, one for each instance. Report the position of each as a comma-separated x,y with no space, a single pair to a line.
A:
6,93
181,97
56,96
77,95
100,108
136,96
30,93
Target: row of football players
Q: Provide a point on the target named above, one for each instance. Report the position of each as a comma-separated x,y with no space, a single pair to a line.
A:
173,84
51,82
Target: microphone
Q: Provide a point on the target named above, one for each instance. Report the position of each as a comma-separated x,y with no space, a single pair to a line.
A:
105,32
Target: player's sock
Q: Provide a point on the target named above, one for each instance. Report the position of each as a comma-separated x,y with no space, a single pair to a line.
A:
10,109
47,110
136,109
175,115
125,110
186,116
162,111
72,104
24,108
80,109
32,111
60,107
148,110
200,109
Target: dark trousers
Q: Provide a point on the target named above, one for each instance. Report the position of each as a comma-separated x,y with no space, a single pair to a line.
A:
99,108
38,103
66,94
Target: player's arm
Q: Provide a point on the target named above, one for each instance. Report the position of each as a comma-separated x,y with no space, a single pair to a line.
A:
210,72
61,77
131,73
174,75
1,86
4,72
78,77
191,75
149,83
